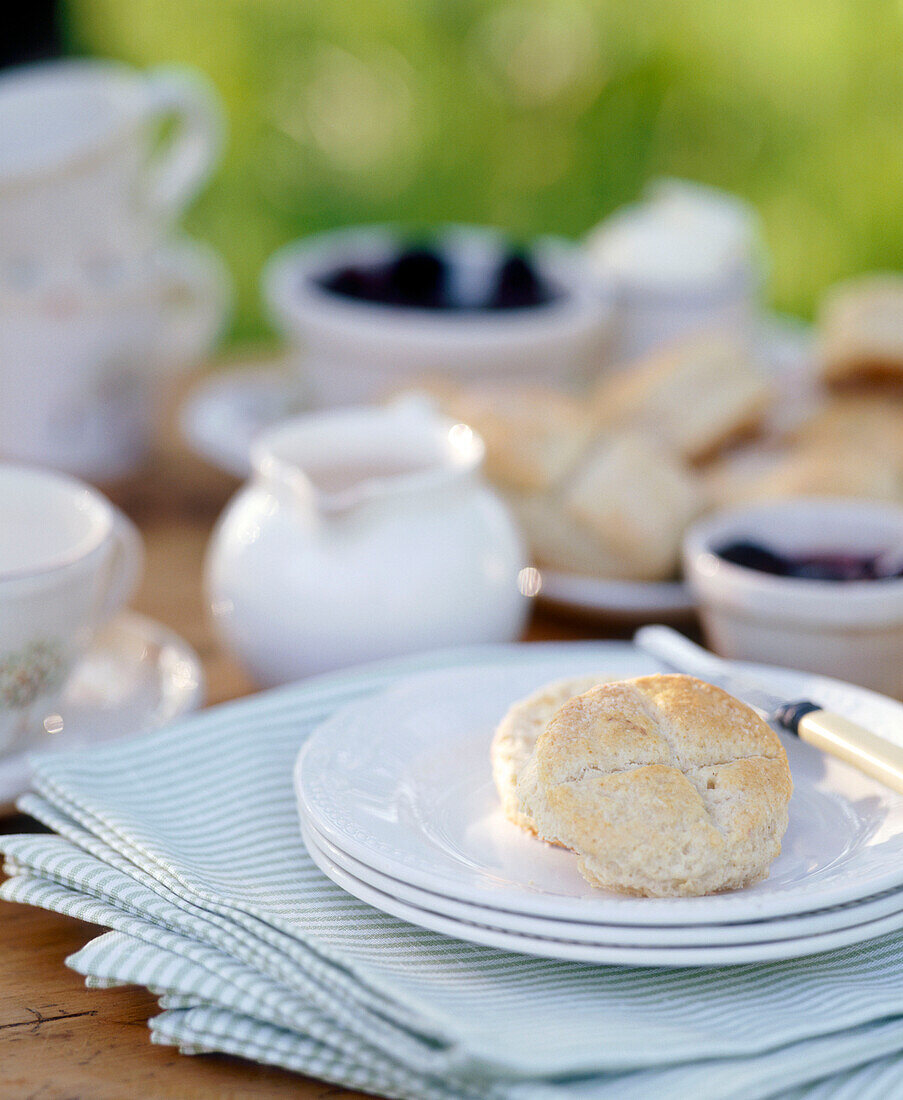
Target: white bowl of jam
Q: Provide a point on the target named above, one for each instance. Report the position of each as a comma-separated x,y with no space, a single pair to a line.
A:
813,584
375,309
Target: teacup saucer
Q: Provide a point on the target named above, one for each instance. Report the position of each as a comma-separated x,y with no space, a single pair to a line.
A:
224,412
137,676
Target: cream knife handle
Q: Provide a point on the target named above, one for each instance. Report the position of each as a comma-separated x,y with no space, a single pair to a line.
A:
848,741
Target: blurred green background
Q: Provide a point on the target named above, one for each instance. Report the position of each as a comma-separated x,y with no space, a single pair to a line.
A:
538,116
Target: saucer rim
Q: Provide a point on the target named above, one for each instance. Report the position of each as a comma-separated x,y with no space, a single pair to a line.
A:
189,698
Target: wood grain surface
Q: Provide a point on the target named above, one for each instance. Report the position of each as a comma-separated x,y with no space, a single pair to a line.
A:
58,1039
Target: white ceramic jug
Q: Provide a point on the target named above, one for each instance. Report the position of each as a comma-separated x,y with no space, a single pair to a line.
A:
364,533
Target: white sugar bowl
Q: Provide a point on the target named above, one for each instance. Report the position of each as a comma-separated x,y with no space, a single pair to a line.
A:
363,533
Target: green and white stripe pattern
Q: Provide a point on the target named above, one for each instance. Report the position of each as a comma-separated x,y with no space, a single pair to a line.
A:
185,842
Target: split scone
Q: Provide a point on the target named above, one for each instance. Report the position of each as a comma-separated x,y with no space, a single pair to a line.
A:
636,500
558,542
860,330
694,397
870,422
621,512
516,734
842,469
663,786
532,435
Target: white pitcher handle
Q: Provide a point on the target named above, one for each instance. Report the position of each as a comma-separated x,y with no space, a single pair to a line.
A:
126,566
178,170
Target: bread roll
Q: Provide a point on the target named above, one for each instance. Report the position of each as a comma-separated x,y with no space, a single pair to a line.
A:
694,397
860,332
515,737
663,786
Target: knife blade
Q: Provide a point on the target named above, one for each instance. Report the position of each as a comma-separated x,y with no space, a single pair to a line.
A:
830,732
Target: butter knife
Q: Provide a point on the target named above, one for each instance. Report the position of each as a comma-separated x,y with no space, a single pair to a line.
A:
830,732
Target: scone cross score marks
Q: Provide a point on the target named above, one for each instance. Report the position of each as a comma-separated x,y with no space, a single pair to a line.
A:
662,785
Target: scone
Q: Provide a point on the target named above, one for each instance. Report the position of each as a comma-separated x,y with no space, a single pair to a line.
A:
532,435
562,543
557,542
694,397
515,737
620,513
868,422
843,468
636,500
663,785
860,332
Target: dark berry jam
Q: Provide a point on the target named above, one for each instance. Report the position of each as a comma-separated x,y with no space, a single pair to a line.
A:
422,278
812,567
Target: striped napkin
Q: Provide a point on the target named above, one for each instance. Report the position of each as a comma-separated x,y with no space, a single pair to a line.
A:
185,843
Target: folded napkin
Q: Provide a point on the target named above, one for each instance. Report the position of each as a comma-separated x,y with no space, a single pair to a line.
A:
185,842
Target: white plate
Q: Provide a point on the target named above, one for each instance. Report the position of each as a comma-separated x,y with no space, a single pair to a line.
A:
402,782
785,349
636,601
614,954
764,931
226,411
138,675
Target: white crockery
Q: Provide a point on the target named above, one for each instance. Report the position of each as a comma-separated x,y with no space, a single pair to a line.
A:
136,676
684,259
359,351
609,953
848,629
68,562
402,782
83,365
363,533
633,935
228,409
616,600
79,171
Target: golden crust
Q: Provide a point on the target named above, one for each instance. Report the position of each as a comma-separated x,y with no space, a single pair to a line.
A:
843,468
694,397
516,734
662,785
870,423
654,809
635,500
704,724
861,332
532,435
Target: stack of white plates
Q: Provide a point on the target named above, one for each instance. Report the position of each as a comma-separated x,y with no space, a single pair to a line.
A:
398,807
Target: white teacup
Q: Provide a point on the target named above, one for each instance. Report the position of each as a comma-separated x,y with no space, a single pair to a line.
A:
83,364
68,562
79,169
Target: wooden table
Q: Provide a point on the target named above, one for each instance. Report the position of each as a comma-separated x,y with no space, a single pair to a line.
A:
57,1038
